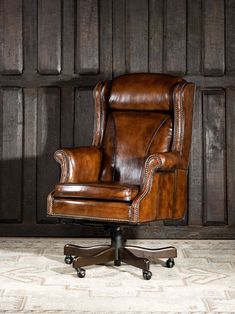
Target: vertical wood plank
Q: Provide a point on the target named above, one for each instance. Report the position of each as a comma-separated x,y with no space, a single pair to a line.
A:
175,36
214,157
194,36
68,36
119,33
48,141
49,36
213,37
84,111
155,35
137,35
11,37
30,153
230,131
30,38
106,62
67,117
11,129
195,201
87,40
230,36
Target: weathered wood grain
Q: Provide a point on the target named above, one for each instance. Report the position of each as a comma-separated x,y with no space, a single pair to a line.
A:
68,35
175,37
137,35
106,33
30,155
213,40
49,36
87,39
84,118
67,117
11,131
214,157
119,36
230,36
48,141
195,193
230,118
194,36
156,35
11,37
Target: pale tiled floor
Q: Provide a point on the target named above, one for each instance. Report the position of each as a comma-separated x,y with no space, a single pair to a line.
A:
34,279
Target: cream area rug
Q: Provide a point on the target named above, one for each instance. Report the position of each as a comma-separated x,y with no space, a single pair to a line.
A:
35,279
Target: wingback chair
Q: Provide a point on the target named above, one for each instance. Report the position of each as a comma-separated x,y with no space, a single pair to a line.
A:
135,171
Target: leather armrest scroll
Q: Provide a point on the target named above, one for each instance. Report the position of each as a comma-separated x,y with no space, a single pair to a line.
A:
157,162
79,164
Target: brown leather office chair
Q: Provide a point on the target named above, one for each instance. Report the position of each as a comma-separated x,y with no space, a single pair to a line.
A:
135,171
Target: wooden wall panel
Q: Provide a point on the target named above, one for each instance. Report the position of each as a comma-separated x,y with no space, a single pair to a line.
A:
30,155
230,35
175,45
52,53
68,20
11,132
119,37
49,36
84,111
214,157
194,37
106,32
87,39
195,204
67,117
137,35
48,141
230,118
213,37
156,22
11,37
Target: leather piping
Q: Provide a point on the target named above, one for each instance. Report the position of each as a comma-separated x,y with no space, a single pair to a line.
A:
62,159
178,117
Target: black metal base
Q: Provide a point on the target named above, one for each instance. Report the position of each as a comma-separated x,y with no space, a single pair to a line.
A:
118,252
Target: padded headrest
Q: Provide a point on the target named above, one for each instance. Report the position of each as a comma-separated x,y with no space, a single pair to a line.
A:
143,91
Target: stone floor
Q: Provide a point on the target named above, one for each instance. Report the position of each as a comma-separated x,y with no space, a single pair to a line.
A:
34,279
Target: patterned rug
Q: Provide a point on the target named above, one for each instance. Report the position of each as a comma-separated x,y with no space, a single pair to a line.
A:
34,279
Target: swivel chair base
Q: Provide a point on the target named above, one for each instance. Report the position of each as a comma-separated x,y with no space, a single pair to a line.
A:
118,252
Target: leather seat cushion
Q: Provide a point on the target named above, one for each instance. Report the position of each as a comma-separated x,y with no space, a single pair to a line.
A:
99,190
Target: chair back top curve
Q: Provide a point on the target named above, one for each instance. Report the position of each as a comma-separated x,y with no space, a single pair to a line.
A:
137,115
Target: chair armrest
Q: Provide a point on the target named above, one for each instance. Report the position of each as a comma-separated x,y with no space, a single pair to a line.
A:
164,162
156,163
80,164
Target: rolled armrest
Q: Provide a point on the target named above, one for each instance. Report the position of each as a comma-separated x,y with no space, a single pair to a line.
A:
80,164
164,161
154,163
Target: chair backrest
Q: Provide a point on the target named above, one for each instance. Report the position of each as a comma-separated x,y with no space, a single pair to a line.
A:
137,115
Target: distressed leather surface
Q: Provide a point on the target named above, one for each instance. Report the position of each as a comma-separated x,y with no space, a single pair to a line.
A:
80,164
136,169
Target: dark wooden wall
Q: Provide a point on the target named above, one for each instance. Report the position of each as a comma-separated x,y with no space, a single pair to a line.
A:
52,52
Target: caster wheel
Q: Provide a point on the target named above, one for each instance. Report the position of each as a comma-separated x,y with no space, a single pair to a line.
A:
117,262
81,272
170,263
68,259
147,274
